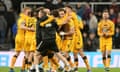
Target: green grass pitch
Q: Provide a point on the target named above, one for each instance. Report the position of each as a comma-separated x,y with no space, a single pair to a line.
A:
6,69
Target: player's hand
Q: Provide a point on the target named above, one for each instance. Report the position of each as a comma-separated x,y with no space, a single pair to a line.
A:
106,35
103,34
30,29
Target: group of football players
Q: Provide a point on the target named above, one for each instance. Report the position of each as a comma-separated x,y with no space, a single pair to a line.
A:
46,37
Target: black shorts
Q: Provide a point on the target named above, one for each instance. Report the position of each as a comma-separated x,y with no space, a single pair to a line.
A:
46,46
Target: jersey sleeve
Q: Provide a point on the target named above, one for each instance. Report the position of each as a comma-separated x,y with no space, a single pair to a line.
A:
50,18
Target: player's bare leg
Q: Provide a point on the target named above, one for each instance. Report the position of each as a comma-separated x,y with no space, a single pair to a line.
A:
14,58
64,60
80,51
54,63
67,56
30,59
76,60
37,60
85,60
106,59
27,54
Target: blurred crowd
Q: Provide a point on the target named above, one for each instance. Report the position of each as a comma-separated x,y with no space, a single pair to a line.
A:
9,11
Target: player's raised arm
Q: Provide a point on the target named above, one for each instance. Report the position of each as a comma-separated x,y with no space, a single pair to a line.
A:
50,18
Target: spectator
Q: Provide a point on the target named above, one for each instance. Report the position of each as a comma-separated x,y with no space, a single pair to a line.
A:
48,4
85,38
93,22
118,21
117,38
2,7
80,9
115,7
87,12
112,15
99,16
14,31
8,4
86,27
3,26
59,4
10,18
92,43
16,5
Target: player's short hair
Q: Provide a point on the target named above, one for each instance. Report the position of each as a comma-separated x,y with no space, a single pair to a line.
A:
61,9
69,6
105,11
55,13
43,12
26,8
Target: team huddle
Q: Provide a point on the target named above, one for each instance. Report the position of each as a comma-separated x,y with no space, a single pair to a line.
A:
47,37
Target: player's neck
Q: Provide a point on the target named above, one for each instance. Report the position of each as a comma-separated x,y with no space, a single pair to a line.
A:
105,19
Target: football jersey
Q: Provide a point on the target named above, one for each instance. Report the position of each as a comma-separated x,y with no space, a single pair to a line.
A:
106,27
31,22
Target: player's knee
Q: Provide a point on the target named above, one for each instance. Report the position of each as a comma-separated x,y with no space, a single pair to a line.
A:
76,59
68,59
85,57
50,55
36,54
104,58
109,56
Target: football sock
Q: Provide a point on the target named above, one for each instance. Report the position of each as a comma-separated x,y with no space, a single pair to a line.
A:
104,61
70,62
13,61
23,64
86,62
76,62
108,61
45,62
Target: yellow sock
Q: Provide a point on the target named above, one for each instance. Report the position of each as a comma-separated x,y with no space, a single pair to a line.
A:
108,61
29,65
72,64
76,63
86,62
23,64
45,62
26,63
13,61
53,66
104,61
54,60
